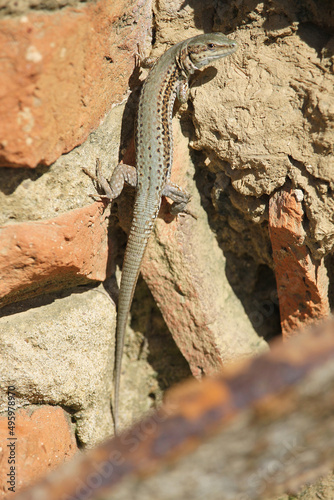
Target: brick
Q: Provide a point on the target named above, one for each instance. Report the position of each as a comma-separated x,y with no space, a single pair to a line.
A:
302,282
45,254
44,441
61,72
184,269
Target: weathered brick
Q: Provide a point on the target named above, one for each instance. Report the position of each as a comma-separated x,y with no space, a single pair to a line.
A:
206,319
61,72
44,440
302,283
45,254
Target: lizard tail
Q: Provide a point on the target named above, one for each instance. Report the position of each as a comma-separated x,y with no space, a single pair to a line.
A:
134,253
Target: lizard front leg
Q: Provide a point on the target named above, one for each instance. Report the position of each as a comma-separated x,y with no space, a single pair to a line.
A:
182,91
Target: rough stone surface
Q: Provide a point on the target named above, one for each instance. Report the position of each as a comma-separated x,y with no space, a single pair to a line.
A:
261,118
56,72
273,121
302,283
44,439
59,350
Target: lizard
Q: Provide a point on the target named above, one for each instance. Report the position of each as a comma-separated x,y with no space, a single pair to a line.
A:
167,80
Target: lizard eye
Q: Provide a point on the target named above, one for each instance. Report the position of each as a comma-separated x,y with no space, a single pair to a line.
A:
211,45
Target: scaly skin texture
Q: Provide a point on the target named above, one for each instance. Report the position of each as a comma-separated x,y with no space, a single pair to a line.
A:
154,156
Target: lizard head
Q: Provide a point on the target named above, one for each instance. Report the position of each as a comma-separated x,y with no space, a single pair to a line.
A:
203,49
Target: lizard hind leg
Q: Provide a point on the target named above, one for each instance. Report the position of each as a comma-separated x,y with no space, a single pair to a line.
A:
179,197
113,188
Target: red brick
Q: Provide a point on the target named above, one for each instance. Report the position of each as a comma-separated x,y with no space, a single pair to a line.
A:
181,267
44,441
302,283
61,72
40,254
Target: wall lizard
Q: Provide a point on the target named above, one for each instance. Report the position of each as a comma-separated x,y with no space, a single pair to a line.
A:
167,80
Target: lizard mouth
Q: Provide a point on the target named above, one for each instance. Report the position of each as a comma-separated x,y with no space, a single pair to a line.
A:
224,50
209,58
